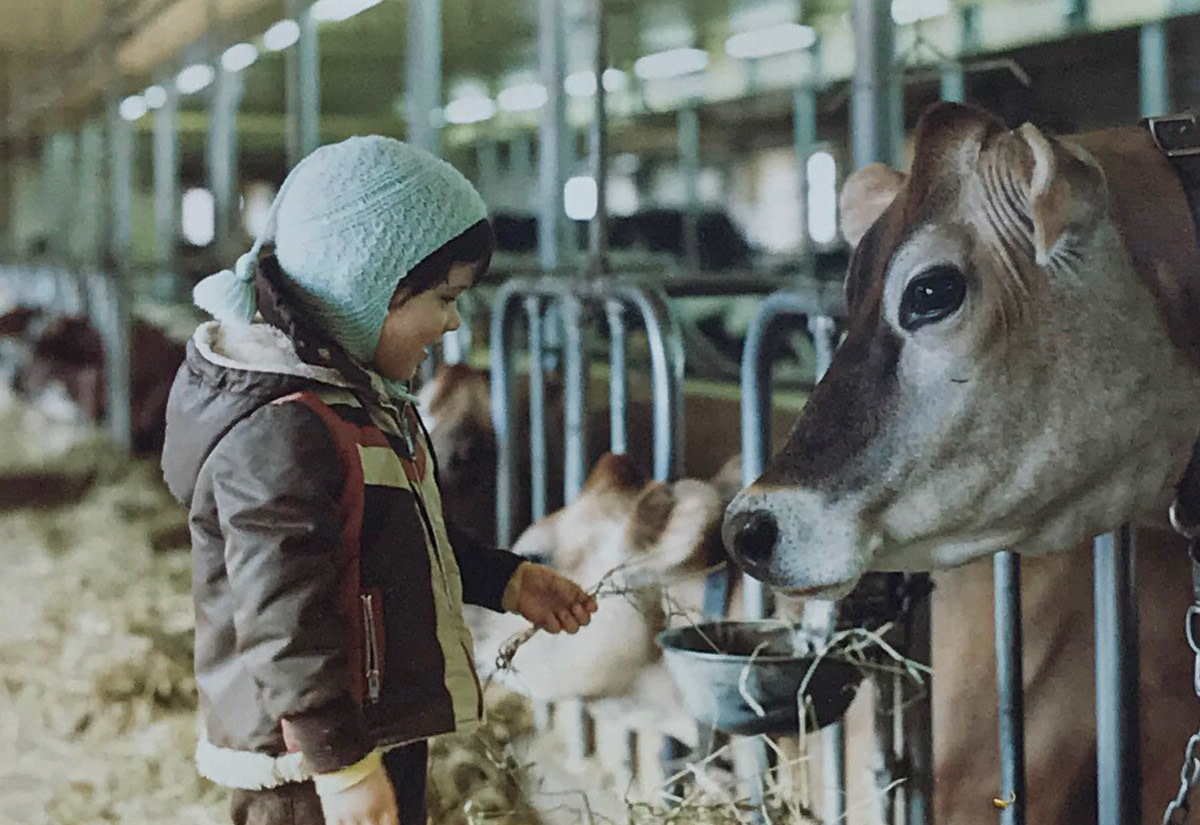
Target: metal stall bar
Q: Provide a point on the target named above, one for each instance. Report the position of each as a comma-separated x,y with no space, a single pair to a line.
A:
223,156
166,191
666,372
618,399
688,121
779,311
824,614
537,408
1118,737
423,72
1011,683
553,135
505,313
113,307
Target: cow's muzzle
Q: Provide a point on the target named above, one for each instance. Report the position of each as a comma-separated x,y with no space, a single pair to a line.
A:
751,537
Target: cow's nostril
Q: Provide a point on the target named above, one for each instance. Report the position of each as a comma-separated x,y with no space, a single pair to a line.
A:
754,535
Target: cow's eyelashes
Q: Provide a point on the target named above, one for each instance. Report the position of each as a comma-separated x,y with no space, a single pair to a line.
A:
931,296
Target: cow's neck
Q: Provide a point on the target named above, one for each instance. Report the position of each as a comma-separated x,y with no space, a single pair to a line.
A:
1149,205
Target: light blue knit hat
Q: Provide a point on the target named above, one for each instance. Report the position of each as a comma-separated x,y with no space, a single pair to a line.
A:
350,221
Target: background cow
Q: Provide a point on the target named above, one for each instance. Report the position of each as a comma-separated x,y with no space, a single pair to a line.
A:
61,361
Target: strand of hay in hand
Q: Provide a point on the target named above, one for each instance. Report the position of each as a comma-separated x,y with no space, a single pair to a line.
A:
605,588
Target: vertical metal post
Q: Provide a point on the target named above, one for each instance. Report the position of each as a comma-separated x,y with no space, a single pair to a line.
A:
554,136
666,375
1118,736
1011,684
505,310
423,73
688,124
308,58
953,81
1076,14
598,142
488,167
537,408
1154,69
116,324
804,139
166,191
58,193
617,377
302,85
222,158
87,242
575,375
872,87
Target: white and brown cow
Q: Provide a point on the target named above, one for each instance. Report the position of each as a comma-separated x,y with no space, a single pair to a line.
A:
1020,371
1022,364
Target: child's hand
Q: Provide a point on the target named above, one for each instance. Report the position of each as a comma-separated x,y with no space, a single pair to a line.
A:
552,602
369,802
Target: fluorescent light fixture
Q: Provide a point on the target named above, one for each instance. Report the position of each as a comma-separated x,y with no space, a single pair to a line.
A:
155,97
239,57
198,217
524,97
281,35
335,11
615,80
583,84
473,109
580,198
132,107
912,11
580,84
671,63
787,37
194,78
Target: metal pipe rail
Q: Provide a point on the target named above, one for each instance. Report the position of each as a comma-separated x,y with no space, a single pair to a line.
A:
614,297
780,311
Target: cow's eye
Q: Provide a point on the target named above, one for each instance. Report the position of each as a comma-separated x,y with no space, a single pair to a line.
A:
931,296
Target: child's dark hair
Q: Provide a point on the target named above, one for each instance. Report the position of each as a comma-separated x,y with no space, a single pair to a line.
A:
473,246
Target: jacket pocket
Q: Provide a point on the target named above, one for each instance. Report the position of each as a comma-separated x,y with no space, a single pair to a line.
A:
373,643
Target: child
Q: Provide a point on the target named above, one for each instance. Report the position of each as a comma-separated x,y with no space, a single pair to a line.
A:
330,642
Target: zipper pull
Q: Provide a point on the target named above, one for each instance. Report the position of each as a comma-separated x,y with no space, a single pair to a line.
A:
372,651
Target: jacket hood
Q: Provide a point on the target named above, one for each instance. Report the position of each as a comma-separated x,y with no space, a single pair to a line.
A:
228,373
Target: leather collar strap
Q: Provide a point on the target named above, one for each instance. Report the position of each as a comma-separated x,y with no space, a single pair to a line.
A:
1178,137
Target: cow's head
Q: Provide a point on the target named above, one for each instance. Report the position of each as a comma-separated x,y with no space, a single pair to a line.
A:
457,407
1007,380
623,519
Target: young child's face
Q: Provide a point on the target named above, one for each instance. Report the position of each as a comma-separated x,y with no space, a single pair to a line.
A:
414,324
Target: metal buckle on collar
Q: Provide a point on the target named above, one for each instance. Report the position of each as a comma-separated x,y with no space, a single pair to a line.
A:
1181,133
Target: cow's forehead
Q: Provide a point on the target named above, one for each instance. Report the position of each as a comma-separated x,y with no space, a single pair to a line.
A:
948,145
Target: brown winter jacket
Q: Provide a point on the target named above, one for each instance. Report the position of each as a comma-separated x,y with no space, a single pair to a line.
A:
314,644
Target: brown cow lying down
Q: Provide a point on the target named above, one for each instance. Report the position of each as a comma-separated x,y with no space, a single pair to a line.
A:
667,534
63,359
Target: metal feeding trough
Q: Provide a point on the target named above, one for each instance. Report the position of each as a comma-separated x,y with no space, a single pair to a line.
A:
725,669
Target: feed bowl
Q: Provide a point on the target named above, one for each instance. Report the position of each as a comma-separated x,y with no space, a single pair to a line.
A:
715,683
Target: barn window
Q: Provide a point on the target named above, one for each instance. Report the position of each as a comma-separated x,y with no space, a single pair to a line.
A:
822,198
579,198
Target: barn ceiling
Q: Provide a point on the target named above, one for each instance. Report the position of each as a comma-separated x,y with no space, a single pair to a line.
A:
58,58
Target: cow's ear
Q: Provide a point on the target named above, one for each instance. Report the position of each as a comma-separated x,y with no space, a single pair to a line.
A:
865,195
1067,191
615,472
671,523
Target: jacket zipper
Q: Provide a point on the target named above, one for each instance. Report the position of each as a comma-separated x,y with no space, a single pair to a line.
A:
372,652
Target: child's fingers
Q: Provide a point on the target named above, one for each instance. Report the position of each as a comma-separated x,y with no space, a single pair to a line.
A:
551,624
581,613
568,621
